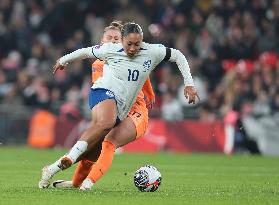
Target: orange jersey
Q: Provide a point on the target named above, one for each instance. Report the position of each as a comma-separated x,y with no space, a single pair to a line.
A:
147,91
97,70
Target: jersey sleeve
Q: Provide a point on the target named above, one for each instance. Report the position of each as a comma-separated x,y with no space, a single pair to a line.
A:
100,51
159,52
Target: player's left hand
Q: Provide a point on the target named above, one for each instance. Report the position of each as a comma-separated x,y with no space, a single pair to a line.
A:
191,94
149,103
57,66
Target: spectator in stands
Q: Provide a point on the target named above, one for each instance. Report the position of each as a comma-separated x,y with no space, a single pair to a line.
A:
207,32
171,107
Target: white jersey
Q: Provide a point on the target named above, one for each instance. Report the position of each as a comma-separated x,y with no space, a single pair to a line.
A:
126,75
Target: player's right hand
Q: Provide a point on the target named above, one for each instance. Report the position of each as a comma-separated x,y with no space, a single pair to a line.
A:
57,66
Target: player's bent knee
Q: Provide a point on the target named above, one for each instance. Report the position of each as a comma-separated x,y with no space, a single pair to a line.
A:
106,124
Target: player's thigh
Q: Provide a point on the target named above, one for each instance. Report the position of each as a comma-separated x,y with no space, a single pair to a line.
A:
105,112
102,103
123,133
103,120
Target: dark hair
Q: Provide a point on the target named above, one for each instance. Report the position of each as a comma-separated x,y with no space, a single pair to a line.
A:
131,27
115,25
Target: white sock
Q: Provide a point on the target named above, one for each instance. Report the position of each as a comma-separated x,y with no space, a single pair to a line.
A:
78,149
54,168
86,184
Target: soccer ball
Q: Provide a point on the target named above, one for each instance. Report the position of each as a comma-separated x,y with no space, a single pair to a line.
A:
147,178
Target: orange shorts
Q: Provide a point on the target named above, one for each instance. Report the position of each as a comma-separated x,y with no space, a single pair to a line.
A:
139,115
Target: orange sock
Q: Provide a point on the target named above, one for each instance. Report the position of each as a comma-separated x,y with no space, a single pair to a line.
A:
81,172
104,161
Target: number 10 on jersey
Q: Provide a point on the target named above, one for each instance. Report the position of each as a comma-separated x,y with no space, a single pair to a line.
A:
133,75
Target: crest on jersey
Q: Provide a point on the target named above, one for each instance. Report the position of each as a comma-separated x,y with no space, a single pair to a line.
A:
146,65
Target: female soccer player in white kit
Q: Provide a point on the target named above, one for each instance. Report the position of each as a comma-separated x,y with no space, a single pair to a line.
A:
130,63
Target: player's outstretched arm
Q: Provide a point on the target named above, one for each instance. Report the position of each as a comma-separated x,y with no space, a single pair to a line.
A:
71,57
189,90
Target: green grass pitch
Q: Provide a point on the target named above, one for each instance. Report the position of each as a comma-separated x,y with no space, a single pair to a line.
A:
186,179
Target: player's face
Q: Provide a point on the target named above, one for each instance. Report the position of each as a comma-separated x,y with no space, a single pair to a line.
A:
131,44
111,35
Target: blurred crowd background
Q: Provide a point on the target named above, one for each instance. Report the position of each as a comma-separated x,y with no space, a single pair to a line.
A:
232,47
